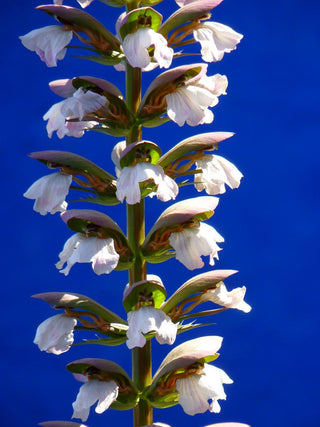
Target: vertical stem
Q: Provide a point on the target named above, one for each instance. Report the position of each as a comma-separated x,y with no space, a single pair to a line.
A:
141,357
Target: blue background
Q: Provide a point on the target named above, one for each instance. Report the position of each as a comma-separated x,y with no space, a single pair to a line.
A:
269,223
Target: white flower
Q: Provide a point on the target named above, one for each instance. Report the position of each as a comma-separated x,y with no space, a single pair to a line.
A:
149,319
216,39
195,390
105,392
55,335
232,299
75,107
191,243
135,47
216,172
83,3
49,193
128,183
79,248
116,154
48,42
190,103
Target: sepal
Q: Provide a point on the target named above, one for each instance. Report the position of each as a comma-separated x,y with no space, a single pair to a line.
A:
100,182
63,300
95,224
144,292
106,370
192,11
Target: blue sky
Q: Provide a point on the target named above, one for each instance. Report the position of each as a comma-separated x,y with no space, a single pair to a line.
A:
270,223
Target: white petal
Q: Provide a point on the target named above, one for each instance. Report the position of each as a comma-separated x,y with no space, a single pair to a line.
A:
215,40
48,42
69,247
55,334
135,47
84,3
100,252
116,154
105,392
50,192
149,319
75,107
192,243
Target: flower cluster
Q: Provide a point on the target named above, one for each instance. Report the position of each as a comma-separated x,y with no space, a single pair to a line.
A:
183,94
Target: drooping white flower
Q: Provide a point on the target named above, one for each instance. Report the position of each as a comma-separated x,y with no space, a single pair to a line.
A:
128,183
195,390
232,299
55,334
216,172
149,319
216,39
135,47
192,243
105,392
48,42
49,193
75,107
83,3
79,248
190,103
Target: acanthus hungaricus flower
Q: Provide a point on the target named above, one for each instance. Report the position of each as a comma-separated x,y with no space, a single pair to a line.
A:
232,299
195,390
105,392
48,42
192,243
60,115
128,183
55,334
135,47
216,172
79,248
149,319
190,102
216,39
49,193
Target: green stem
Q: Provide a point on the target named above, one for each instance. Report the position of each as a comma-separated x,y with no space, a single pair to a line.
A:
141,357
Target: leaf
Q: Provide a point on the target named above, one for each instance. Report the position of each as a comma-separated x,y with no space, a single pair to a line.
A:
80,21
77,301
202,142
111,342
190,12
197,284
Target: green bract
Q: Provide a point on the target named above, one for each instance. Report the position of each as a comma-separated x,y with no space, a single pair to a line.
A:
140,151
140,18
150,290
